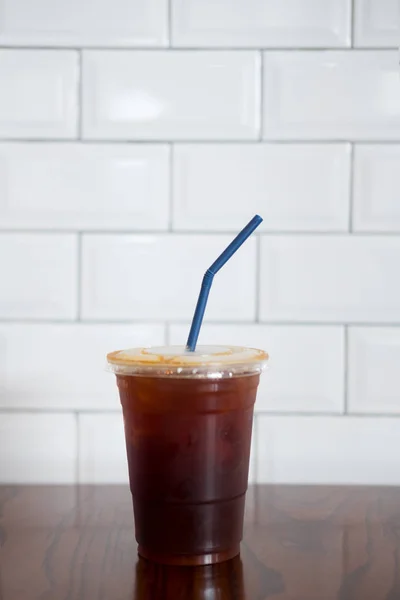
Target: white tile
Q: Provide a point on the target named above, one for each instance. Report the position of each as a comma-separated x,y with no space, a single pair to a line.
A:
374,375
37,448
295,187
38,274
330,278
328,450
306,364
83,23
63,366
102,452
158,277
84,186
376,23
171,95
332,95
39,94
257,23
376,178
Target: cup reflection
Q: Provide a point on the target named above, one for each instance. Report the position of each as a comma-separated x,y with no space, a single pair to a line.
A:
223,581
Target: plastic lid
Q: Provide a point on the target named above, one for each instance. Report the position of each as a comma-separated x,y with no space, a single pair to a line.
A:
175,361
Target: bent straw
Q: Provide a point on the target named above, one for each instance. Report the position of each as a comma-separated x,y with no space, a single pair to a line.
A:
209,276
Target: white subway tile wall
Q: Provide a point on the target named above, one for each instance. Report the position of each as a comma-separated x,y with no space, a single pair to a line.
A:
136,137
77,23
102,453
257,23
84,186
63,364
297,186
376,181
342,450
341,278
39,94
150,277
170,95
374,377
337,95
376,23
38,448
38,276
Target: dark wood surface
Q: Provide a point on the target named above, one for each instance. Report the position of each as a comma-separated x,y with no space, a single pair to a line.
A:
315,543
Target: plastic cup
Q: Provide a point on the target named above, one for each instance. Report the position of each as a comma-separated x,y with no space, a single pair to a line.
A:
188,422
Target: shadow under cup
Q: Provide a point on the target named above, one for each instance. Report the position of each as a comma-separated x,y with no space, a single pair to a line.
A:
188,446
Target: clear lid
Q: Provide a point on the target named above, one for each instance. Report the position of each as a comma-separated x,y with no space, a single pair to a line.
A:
175,361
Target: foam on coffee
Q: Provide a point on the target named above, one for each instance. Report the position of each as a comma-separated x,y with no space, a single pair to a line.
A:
227,361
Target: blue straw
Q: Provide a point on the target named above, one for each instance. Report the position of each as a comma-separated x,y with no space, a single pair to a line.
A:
209,276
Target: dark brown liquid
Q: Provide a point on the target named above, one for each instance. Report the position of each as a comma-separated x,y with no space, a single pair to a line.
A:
188,445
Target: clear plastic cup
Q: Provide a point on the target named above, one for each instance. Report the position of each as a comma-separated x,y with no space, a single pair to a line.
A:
188,422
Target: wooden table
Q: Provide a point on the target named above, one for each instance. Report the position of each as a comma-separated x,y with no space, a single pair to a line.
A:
315,543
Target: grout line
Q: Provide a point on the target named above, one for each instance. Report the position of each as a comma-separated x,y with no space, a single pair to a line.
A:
91,322
250,141
199,232
257,294
261,107
210,48
351,190
80,97
171,159
352,24
79,279
207,322
346,371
